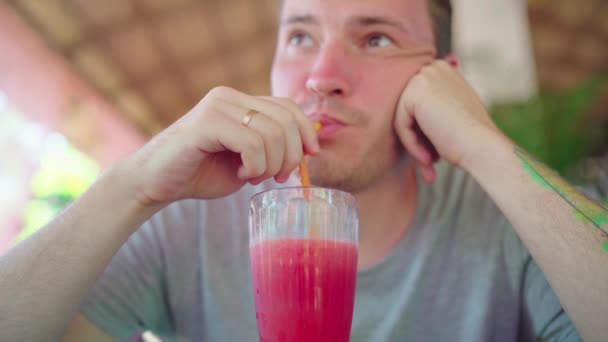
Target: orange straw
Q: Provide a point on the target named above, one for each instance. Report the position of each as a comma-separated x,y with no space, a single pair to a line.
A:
304,173
303,169
305,178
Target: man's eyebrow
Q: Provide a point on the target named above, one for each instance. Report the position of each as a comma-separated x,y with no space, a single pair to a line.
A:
358,20
377,20
301,19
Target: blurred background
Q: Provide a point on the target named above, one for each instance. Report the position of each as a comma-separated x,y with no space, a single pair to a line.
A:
83,83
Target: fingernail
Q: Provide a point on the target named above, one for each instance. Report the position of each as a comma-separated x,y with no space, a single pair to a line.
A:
281,178
311,149
453,61
242,173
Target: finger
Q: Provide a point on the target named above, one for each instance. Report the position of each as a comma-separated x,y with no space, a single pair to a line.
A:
274,142
421,154
229,134
449,70
452,60
412,137
410,141
428,173
403,121
305,125
294,148
425,143
272,134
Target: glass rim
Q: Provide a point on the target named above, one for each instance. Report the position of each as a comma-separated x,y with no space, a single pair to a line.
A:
348,195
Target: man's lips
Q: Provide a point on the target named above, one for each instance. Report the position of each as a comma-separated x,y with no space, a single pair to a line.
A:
327,131
329,125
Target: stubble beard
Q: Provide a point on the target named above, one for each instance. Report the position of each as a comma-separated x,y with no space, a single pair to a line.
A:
355,171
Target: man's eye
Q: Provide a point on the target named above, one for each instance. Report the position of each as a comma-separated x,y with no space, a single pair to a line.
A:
300,39
379,40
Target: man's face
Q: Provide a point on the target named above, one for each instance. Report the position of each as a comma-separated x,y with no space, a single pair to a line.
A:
346,63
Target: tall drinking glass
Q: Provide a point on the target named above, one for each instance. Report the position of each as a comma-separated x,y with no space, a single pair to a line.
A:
303,250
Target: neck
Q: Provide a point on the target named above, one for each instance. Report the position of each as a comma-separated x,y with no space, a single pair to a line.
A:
385,213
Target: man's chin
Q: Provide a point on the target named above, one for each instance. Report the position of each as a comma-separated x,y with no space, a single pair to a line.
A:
343,185
341,178
346,175
329,176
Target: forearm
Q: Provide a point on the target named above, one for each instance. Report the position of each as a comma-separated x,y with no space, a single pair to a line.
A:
43,279
564,231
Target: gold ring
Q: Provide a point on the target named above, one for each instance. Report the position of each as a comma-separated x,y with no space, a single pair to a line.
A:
247,119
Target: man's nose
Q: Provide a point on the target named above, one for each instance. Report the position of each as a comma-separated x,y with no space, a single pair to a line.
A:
329,75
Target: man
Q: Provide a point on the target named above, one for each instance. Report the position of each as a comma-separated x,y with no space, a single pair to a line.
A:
437,262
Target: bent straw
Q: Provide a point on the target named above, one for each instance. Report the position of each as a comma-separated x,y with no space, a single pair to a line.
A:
302,168
305,179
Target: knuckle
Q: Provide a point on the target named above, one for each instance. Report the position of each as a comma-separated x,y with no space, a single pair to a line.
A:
420,81
285,101
289,104
427,69
214,92
273,170
276,136
443,64
295,155
256,171
257,167
288,124
220,91
255,144
293,129
292,161
206,112
290,128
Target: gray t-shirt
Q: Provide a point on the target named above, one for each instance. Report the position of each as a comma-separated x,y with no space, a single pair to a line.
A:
460,274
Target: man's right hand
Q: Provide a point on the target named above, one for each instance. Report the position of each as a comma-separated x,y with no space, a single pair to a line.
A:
210,153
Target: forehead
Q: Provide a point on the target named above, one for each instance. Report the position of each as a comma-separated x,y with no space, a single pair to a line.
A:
412,14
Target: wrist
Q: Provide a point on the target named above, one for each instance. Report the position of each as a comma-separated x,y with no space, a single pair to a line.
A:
490,148
125,182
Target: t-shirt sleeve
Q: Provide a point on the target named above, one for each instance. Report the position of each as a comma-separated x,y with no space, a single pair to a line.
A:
130,296
543,313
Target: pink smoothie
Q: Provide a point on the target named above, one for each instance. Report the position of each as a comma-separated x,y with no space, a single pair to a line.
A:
304,290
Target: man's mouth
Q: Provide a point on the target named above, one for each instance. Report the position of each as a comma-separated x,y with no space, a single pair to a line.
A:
329,125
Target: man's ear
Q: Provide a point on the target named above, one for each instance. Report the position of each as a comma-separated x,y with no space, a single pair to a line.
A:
452,60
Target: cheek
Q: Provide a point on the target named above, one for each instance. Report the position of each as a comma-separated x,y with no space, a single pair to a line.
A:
286,79
379,98
380,90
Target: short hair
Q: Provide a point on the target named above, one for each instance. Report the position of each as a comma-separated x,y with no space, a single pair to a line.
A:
440,12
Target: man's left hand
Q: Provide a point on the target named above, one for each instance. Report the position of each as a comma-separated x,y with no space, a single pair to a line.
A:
440,116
